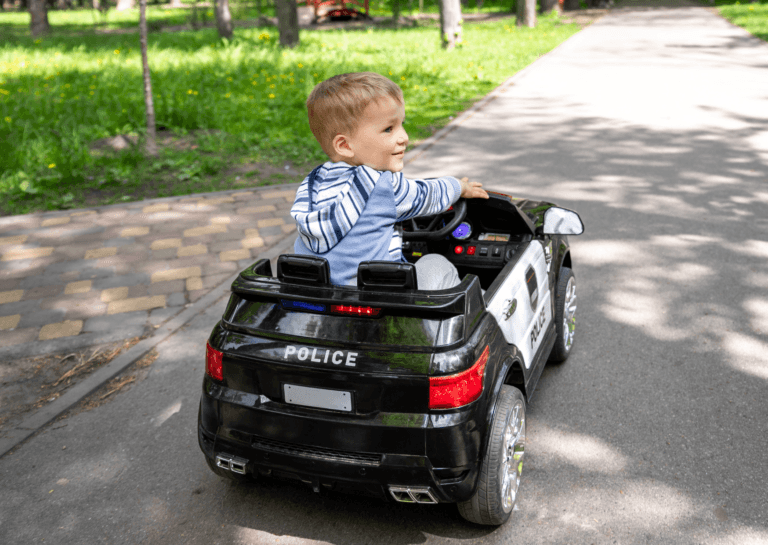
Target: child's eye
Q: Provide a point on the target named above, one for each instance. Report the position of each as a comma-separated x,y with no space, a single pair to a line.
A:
388,129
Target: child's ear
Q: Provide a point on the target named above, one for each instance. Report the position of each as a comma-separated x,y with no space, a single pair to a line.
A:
341,146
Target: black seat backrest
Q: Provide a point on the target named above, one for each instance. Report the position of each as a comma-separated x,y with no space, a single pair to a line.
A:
386,275
303,269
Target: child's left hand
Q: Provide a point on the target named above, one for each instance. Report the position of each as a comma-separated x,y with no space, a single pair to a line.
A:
472,190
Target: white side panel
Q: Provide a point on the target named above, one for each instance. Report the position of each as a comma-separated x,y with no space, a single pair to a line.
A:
525,326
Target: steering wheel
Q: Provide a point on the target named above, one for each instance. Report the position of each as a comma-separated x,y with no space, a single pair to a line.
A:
431,232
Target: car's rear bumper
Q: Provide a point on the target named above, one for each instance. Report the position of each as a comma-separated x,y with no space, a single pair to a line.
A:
374,456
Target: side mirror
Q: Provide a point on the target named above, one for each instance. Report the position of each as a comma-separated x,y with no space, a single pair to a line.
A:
559,221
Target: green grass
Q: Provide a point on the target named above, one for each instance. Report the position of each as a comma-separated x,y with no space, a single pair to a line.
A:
752,17
232,104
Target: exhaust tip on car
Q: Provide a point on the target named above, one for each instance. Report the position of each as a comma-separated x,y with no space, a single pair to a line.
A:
231,463
412,494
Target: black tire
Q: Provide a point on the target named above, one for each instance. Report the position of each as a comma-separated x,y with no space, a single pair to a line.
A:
565,315
224,474
499,480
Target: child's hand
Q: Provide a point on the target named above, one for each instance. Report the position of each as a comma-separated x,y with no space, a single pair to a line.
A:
472,190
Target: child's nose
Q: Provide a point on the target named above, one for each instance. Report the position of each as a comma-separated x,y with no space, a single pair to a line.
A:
402,137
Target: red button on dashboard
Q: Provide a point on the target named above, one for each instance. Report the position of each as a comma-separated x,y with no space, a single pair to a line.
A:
459,249
471,250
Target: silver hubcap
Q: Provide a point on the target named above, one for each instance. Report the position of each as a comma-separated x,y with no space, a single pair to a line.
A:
514,449
569,313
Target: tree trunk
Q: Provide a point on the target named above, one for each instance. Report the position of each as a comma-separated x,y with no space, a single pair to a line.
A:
571,5
223,18
450,23
38,21
123,5
526,13
395,10
550,5
149,104
287,22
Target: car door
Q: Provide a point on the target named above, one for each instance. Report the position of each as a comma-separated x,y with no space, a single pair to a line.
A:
522,305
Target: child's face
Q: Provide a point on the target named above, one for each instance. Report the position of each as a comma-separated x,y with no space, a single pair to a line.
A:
380,139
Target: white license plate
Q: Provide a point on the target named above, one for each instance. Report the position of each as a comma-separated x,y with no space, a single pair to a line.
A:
320,398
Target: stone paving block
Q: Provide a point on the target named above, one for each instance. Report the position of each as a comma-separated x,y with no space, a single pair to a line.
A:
200,231
138,303
134,231
120,243
234,234
243,195
77,307
139,290
18,239
121,280
163,288
23,269
7,284
271,222
42,317
235,255
261,209
9,322
69,233
195,283
218,268
284,194
106,323
83,214
133,248
95,273
196,249
42,292
20,307
10,296
218,247
190,261
175,274
159,207
159,315
165,243
270,234
55,221
114,294
221,220
210,282
29,253
195,295
216,200
98,253
252,233
176,300
122,259
252,242
67,328
166,254
18,336
81,286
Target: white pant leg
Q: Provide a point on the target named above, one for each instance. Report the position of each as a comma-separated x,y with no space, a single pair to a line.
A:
435,272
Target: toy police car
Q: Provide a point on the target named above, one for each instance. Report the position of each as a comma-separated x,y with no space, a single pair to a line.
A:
417,395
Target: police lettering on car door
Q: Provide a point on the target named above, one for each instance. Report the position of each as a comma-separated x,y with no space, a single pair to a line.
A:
320,355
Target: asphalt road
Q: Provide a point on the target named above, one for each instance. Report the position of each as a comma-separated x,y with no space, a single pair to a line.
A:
654,126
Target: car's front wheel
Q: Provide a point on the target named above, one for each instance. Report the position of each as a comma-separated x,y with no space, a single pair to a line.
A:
502,465
565,315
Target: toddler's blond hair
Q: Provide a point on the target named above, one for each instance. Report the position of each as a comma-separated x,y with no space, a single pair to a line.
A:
335,105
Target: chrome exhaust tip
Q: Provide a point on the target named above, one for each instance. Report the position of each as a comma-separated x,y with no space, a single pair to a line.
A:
231,463
413,494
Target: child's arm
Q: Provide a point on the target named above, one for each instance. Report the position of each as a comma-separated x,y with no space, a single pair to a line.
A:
415,198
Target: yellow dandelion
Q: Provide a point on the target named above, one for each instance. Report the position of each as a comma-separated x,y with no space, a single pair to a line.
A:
229,79
271,95
8,119
117,51
190,91
402,78
52,165
272,86
228,95
300,65
92,93
390,72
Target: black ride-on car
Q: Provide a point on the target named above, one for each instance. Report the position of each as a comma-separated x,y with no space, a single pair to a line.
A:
415,395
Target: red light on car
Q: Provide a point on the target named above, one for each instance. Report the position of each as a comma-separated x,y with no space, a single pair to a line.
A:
459,389
459,249
471,250
213,363
351,310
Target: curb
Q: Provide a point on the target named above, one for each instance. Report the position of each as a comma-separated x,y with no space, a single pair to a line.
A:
34,422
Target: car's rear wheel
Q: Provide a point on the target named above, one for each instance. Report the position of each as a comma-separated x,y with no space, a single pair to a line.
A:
565,315
502,465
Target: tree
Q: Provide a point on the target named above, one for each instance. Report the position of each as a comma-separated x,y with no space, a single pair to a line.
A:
149,104
571,5
450,23
549,5
526,13
223,18
287,22
38,17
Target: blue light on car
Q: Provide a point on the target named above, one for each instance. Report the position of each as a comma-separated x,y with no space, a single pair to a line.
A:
302,305
462,231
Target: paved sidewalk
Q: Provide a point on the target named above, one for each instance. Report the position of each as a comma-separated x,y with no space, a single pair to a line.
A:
83,277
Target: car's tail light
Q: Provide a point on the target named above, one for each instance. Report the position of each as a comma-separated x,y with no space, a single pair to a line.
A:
351,310
213,363
459,389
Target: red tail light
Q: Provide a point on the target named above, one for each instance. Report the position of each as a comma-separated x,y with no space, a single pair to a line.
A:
459,389
213,365
351,310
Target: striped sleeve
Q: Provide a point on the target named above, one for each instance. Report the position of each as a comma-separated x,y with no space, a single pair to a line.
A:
414,198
